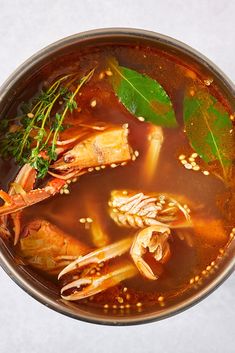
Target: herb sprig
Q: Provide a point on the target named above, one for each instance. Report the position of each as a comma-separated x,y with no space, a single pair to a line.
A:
33,136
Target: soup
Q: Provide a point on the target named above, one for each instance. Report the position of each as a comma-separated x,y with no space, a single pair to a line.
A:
117,167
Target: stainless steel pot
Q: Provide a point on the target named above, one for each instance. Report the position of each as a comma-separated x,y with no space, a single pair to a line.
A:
11,88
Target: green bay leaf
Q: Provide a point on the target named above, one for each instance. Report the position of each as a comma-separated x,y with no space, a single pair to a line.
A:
209,128
142,96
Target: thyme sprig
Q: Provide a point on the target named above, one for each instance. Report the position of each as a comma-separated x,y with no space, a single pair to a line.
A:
33,136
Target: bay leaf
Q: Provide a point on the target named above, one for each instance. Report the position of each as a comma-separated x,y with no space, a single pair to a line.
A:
208,127
142,96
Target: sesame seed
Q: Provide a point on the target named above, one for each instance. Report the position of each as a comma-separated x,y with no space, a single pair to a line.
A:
66,191
213,263
74,180
233,230
125,289
232,117
133,157
196,278
205,172
221,251
191,281
204,272
128,297
141,118
123,163
121,306
120,300
30,115
82,220
191,159
125,192
90,169
93,103
101,75
97,168
109,73
106,306
181,157
89,220
161,298
136,153
184,161
61,191
114,306
208,268
125,126
127,306
208,81
113,165
193,164
139,305
102,166
196,167
188,166
194,155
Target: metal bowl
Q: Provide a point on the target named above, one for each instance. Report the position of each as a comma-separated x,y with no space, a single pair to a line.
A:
10,91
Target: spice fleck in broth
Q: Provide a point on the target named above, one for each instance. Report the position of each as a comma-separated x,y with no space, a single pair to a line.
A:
117,170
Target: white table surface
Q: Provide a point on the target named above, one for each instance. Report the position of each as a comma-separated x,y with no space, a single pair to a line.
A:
26,326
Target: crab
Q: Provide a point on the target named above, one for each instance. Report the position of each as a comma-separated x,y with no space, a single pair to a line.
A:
155,214
93,149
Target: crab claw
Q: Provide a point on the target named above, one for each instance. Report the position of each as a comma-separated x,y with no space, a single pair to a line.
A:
87,286
95,272
151,249
98,256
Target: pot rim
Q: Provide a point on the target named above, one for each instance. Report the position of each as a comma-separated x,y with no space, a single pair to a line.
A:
12,270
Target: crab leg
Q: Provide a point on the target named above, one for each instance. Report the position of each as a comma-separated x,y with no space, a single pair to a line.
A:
23,183
155,140
24,199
